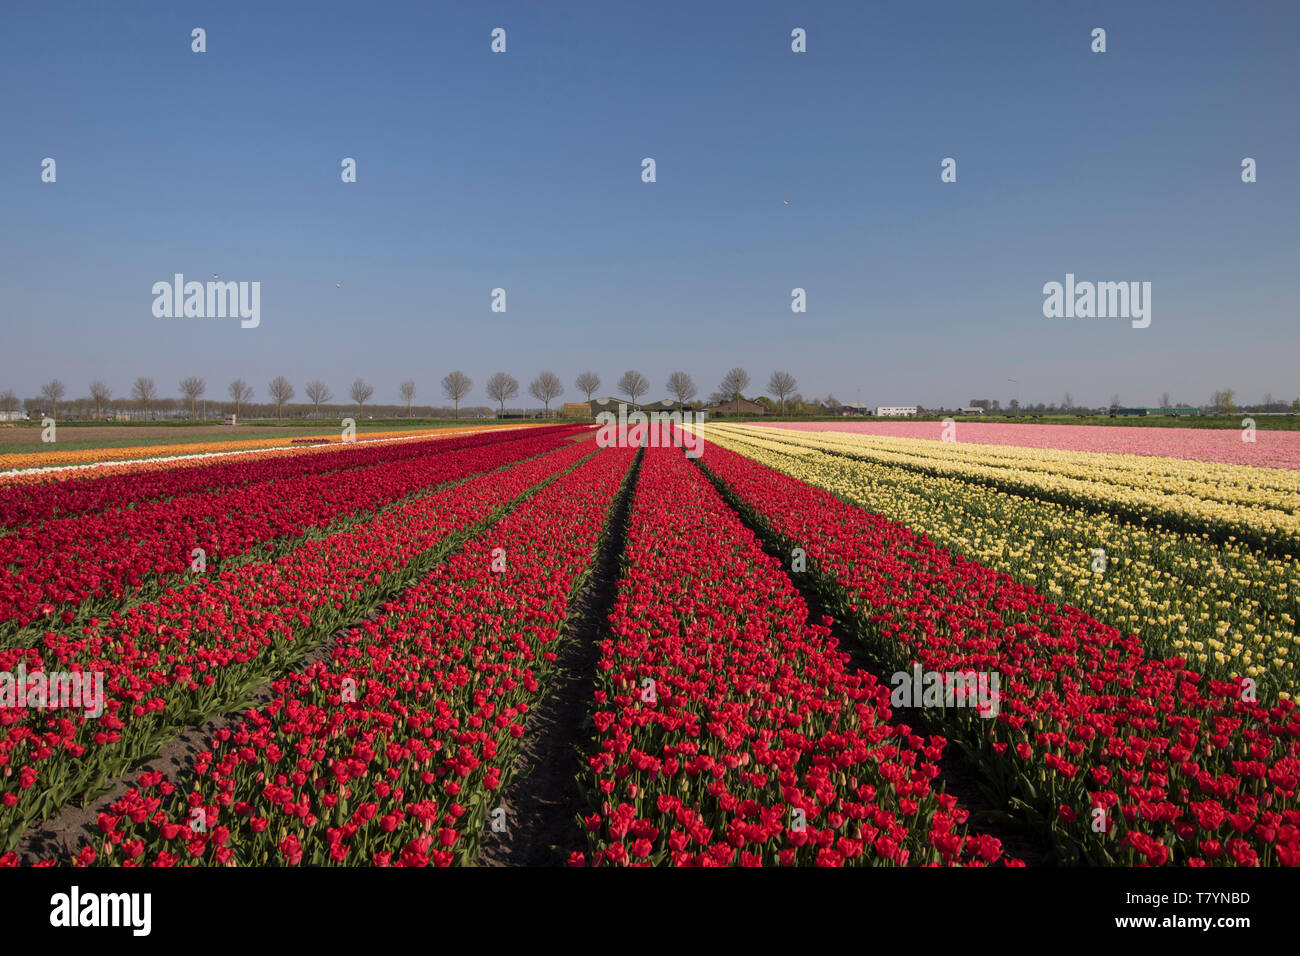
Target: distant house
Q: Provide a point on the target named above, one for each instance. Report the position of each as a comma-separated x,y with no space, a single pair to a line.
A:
895,411
742,407
971,410
598,405
849,409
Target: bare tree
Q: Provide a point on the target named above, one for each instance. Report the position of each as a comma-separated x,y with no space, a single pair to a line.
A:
1067,403
1164,400
546,388
456,386
280,391
8,402
633,384
317,392
100,395
782,384
1268,401
681,387
1114,400
144,391
240,392
53,392
407,391
587,383
733,383
361,393
1225,402
502,388
192,388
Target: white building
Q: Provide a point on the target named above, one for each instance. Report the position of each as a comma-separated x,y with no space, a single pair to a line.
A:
971,410
895,411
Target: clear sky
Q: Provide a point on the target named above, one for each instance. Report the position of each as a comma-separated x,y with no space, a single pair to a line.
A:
522,170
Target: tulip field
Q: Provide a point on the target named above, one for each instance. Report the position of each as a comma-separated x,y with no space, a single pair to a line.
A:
1269,449
1123,749
369,640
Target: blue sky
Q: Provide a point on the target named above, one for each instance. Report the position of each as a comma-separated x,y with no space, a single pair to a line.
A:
522,171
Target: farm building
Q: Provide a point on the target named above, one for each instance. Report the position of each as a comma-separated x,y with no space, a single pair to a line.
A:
598,405
1179,412
742,407
895,411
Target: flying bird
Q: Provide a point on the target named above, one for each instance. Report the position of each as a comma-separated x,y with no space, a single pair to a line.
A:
786,201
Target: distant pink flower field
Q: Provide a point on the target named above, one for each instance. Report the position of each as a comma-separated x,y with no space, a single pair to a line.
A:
1269,450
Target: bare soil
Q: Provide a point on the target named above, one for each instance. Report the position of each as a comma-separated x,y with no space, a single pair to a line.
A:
110,433
543,803
61,837
956,774
124,436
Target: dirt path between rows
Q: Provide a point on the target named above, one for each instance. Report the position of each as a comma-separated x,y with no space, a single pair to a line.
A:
544,801
62,836
956,774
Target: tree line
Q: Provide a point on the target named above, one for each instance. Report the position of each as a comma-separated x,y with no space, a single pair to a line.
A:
501,388
144,395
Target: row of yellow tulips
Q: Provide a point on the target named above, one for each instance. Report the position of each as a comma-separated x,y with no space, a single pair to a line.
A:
1258,504
1225,606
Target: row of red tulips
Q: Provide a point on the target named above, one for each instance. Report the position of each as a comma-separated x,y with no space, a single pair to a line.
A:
196,651
1121,757
393,751
64,562
729,728
26,503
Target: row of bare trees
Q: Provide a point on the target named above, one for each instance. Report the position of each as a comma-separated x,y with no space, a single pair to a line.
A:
547,387
501,388
144,393
682,387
